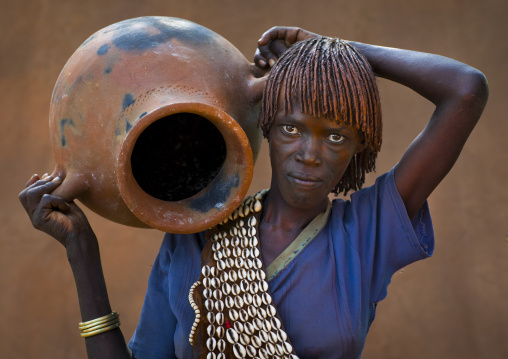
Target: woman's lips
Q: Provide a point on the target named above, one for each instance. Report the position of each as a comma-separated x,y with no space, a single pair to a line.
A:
304,179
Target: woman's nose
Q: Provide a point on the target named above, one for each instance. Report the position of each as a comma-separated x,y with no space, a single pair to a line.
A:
309,152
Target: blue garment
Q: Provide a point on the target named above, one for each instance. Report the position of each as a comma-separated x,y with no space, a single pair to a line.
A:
326,296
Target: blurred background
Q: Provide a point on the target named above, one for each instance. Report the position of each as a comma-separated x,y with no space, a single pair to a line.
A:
451,306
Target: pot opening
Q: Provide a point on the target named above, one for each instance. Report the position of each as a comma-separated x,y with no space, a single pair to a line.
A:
177,156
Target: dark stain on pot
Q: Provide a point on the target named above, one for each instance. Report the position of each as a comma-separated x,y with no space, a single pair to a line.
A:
64,122
107,70
127,101
142,115
103,49
217,197
136,38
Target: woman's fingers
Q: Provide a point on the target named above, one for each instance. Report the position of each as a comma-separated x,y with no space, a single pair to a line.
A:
31,196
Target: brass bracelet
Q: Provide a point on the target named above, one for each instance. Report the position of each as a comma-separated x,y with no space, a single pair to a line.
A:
99,331
99,325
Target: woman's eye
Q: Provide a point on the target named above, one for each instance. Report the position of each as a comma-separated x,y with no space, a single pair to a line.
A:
292,130
335,138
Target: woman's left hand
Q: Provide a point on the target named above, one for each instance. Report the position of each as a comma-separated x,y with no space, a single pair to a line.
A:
274,42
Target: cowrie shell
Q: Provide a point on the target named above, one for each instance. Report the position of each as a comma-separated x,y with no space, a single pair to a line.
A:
246,210
242,273
263,285
267,298
256,300
257,206
233,314
213,272
238,326
244,316
207,293
268,327
273,338
248,263
221,356
221,345
230,262
245,253
244,339
241,223
217,294
282,335
244,285
245,242
239,351
237,252
260,274
243,231
225,242
232,275
226,252
239,263
211,343
252,310
263,336
215,282
210,330
236,242
235,289
211,355
207,282
251,275
239,302
255,252
215,246
231,335
211,318
252,221
261,313
247,298
226,288
270,348
224,277
209,305
220,332
254,241
254,288
262,353
229,302
275,322
288,348
251,351
206,271
258,324
256,342
217,256
219,317
249,328
270,309
258,264
279,349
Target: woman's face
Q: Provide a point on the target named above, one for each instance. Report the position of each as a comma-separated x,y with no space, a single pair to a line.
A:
309,155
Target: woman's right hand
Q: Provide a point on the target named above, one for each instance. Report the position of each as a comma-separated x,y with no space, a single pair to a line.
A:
51,214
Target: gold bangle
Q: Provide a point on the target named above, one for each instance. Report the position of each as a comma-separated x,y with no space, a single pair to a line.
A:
99,325
100,319
99,331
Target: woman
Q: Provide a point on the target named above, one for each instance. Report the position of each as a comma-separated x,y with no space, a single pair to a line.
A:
327,265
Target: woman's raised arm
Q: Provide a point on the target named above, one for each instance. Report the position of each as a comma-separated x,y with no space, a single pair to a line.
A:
68,224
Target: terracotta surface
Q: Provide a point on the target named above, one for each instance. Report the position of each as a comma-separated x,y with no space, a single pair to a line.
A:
152,121
450,306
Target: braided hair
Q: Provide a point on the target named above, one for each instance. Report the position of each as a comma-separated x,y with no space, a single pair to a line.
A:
328,78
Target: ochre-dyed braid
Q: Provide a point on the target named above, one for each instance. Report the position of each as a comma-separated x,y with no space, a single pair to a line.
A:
328,78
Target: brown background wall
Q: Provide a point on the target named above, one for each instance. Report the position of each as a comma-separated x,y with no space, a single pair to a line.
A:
451,306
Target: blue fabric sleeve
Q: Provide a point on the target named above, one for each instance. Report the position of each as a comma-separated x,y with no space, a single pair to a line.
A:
387,240
154,335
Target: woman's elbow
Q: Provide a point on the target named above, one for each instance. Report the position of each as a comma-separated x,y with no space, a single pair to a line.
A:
474,88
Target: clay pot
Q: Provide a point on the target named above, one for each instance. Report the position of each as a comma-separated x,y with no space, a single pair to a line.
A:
153,122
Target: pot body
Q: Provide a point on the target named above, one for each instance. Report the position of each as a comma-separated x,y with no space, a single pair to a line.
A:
153,122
